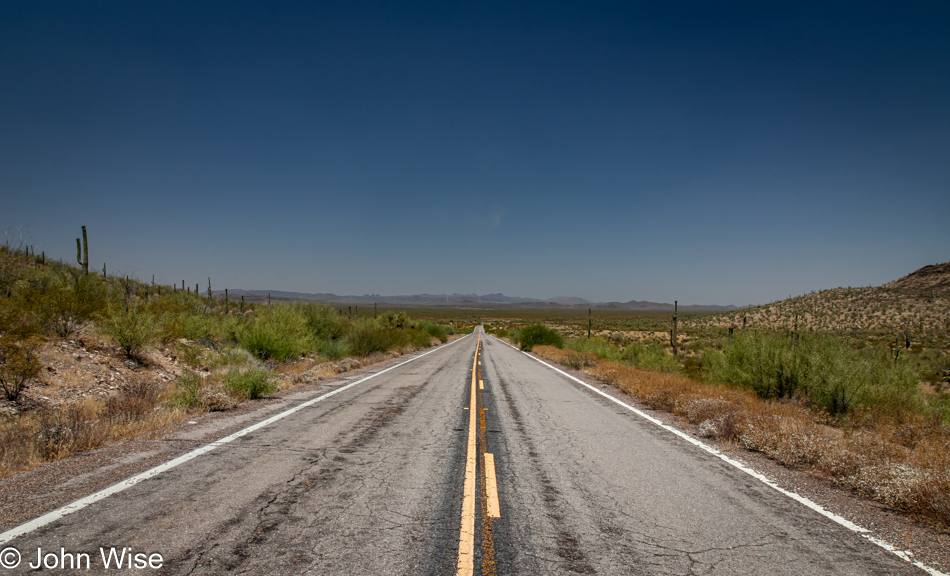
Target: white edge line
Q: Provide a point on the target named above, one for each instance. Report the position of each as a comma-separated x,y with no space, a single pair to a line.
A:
55,515
864,532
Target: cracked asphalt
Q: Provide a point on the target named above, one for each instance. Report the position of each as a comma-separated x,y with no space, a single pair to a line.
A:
370,481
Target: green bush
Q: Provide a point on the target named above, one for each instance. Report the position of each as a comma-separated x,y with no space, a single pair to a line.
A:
435,331
395,320
19,350
600,347
331,349
323,322
69,302
538,334
279,332
419,339
367,336
833,375
250,384
650,355
131,328
190,325
187,394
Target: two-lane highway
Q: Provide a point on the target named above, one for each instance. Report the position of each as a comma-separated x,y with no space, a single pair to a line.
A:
471,459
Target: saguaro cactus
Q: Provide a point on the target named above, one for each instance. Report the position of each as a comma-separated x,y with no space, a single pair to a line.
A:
82,252
673,331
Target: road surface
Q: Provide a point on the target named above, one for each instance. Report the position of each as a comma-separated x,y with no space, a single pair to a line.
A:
393,475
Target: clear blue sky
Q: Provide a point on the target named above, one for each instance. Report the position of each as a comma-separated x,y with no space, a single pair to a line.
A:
710,152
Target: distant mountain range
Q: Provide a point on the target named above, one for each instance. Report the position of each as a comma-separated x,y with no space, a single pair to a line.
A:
465,300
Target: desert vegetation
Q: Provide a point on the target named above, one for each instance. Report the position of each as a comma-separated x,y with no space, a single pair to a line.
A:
851,383
861,398
900,459
88,358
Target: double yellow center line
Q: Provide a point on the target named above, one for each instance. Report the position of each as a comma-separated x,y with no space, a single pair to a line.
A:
466,555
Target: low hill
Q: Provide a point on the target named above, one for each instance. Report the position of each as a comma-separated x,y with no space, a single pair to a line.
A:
928,281
917,305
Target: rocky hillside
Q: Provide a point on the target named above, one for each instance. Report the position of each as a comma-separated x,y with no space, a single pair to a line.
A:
928,281
917,305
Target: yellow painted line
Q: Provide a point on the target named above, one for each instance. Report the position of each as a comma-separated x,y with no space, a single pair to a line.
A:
481,384
491,487
466,558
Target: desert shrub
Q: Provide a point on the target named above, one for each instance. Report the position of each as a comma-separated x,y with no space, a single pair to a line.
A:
833,375
418,338
19,346
18,364
332,349
368,336
395,320
215,399
323,322
579,360
171,327
68,301
279,332
134,399
434,330
69,429
250,384
650,355
17,444
175,324
533,335
131,327
229,357
597,346
187,394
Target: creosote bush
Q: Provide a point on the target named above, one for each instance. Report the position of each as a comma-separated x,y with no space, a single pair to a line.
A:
68,301
132,328
19,345
278,332
434,330
250,384
533,335
187,395
322,321
368,336
18,364
833,375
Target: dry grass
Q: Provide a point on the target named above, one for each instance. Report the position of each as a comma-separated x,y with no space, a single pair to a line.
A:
55,432
902,464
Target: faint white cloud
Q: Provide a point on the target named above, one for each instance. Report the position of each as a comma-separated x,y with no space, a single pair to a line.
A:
497,216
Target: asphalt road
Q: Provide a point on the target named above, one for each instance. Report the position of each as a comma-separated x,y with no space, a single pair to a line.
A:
390,476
